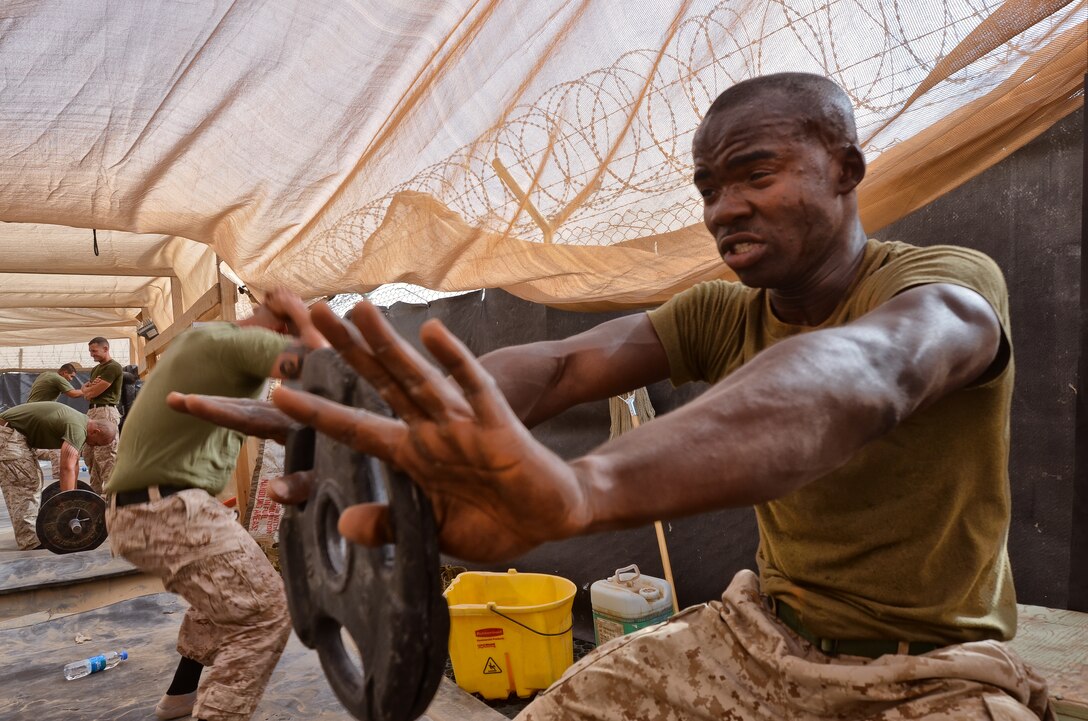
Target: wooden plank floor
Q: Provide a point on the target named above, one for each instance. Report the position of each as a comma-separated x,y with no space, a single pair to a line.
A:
34,686
1055,642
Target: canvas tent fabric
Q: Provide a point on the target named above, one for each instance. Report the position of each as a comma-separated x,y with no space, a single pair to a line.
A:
543,148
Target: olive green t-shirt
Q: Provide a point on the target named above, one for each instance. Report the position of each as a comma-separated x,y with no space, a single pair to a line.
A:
47,424
48,386
111,372
163,447
906,541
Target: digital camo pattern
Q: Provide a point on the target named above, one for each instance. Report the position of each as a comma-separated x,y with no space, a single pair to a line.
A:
100,460
735,660
237,623
21,481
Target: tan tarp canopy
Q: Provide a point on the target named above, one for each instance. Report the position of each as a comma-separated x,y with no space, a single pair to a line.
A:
539,147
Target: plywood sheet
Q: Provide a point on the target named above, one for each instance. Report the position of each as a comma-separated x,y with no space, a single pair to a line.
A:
24,570
1055,642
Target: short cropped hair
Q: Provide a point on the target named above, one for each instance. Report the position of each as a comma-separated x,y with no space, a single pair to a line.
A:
67,368
821,105
99,340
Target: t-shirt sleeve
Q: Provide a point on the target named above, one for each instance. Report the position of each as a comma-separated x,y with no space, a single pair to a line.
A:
701,330
946,264
62,385
253,350
110,372
76,435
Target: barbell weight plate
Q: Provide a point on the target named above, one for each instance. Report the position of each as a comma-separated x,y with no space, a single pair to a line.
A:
387,600
72,521
54,488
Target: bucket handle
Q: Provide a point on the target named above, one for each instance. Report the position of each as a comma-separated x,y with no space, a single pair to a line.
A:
497,612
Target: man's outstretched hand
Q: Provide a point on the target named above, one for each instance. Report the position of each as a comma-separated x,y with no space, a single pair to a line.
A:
496,491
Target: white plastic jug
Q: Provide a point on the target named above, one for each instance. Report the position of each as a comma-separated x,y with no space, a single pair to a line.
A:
626,602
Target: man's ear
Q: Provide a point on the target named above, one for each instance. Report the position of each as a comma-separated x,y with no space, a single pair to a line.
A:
852,163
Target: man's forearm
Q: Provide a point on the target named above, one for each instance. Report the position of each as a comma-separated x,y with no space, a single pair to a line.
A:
793,414
93,389
527,375
69,473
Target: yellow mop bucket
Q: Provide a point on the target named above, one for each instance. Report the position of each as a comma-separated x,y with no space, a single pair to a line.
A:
509,632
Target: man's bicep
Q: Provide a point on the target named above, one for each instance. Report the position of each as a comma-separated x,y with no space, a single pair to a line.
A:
950,335
615,357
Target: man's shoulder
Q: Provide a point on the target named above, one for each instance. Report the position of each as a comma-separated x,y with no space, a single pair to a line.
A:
109,369
891,250
43,409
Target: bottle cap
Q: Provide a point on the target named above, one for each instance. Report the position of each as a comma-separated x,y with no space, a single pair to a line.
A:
124,655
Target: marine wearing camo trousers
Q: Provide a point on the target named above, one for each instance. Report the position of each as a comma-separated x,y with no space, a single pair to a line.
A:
101,459
237,623
21,481
735,660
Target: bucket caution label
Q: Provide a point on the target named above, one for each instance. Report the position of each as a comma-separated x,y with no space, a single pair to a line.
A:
491,667
488,632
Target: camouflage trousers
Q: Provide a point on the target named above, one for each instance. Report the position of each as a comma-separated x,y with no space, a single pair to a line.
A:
101,459
735,660
21,481
237,622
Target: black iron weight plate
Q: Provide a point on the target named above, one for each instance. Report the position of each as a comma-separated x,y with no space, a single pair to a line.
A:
388,600
54,488
55,526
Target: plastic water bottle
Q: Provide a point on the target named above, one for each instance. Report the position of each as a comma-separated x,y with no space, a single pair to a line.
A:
94,664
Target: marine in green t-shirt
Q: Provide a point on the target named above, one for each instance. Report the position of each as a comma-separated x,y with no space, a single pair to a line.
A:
920,497
49,425
50,385
104,387
166,448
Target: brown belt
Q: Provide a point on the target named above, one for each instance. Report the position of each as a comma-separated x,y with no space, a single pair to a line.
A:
869,648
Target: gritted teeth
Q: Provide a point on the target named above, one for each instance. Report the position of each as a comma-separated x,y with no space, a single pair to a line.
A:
741,247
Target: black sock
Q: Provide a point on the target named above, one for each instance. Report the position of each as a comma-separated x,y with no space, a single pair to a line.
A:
186,678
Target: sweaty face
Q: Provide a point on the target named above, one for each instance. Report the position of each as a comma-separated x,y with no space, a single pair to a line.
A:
769,196
98,353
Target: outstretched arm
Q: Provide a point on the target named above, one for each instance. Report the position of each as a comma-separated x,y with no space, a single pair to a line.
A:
282,311
541,380
247,415
797,411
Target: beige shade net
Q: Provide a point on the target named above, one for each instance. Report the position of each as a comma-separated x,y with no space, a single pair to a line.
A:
55,290
543,148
